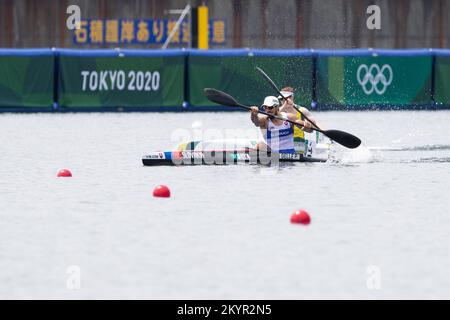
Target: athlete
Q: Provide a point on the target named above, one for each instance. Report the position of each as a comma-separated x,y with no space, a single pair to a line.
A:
289,105
278,134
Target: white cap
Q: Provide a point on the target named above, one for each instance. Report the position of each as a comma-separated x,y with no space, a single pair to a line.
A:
271,101
286,94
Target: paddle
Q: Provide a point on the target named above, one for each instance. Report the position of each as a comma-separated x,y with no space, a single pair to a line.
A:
341,137
344,138
225,99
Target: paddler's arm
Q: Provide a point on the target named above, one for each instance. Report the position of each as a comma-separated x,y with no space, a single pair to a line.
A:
303,124
308,127
257,119
288,106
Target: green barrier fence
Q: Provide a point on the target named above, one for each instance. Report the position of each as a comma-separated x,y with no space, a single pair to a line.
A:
234,71
27,80
128,80
173,80
442,79
366,78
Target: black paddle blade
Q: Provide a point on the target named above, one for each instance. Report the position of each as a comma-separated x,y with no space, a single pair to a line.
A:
220,97
346,139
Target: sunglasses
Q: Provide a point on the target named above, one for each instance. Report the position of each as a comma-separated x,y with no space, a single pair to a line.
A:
270,108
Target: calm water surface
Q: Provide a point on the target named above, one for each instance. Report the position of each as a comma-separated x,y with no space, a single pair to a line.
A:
380,219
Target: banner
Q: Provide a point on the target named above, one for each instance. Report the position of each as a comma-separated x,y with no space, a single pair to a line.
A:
442,78
27,78
234,71
159,80
121,79
142,31
366,78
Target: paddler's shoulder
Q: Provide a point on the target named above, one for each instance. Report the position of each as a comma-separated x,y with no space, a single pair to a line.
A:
284,115
288,109
288,116
303,109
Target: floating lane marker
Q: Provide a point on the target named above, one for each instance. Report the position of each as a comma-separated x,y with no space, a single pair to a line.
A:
161,191
301,217
64,173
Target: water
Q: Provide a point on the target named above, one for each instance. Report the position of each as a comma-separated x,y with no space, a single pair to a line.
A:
379,228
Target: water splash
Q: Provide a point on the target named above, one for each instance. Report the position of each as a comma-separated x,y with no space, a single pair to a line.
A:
354,156
437,153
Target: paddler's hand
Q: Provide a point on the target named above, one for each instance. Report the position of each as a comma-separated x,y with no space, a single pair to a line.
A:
307,126
255,117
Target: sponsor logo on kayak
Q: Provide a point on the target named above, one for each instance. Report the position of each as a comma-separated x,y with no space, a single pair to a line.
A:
290,156
192,155
154,156
309,150
241,156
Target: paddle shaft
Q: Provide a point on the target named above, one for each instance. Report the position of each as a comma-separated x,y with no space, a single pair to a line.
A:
272,116
295,106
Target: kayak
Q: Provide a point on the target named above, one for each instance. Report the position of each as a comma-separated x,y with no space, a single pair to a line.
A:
235,151
169,158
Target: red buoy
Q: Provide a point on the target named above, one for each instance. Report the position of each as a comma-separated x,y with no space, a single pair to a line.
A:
64,173
300,216
161,191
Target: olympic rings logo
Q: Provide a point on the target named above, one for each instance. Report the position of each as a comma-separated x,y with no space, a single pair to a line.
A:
374,79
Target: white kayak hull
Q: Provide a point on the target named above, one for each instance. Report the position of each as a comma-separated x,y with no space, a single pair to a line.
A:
235,151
